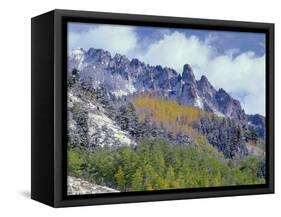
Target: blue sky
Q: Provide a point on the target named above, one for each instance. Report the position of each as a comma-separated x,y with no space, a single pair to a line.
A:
222,40
244,41
234,61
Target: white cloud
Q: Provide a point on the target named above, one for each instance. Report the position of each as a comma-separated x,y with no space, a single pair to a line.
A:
241,74
114,38
232,52
175,49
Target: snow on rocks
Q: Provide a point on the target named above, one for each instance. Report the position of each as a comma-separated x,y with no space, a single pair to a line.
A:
77,186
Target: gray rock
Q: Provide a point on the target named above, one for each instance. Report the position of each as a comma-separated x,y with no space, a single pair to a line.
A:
121,77
77,186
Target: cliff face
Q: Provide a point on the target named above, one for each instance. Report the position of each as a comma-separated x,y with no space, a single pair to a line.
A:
258,123
121,76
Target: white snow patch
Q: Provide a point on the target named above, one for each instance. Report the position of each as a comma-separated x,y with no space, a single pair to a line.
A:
219,114
120,93
77,186
103,120
198,102
131,88
250,123
100,121
78,51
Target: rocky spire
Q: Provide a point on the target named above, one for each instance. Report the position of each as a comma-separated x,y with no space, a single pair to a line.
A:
98,53
187,74
205,86
204,80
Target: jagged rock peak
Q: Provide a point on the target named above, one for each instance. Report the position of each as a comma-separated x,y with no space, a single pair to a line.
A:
187,74
99,52
204,79
204,84
158,67
78,51
137,63
121,58
222,92
223,99
137,76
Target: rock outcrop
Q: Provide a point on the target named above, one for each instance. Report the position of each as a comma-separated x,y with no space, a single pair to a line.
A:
121,76
76,186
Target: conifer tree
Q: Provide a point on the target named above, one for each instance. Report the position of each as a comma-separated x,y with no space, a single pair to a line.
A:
120,178
137,181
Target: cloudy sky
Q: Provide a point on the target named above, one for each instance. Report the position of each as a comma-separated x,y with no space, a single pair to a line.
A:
234,61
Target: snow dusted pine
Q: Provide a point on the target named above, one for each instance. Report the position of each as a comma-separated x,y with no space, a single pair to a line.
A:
89,123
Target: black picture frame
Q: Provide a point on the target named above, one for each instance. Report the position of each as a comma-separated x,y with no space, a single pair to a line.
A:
48,75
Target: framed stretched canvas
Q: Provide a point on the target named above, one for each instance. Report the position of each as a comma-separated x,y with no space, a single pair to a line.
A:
131,108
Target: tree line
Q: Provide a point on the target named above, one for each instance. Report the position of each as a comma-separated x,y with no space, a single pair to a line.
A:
155,164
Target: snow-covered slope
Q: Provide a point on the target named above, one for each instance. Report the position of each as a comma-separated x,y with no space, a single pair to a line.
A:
89,122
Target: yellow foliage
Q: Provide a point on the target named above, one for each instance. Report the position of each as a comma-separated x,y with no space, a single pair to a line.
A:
175,117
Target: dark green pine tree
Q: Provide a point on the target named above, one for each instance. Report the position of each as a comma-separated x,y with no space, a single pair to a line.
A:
103,98
132,121
122,118
74,77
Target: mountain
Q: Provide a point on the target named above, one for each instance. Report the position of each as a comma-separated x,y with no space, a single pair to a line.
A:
121,76
136,127
111,81
258,123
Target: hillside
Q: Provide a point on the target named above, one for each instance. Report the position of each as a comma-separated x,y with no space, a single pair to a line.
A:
135,127
95,120
89,122
155,164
